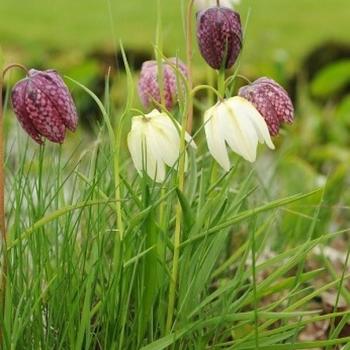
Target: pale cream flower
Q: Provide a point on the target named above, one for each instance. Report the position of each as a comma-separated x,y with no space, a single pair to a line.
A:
154,142
237,123
204,4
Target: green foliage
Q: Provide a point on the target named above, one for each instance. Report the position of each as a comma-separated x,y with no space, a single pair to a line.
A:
73,283
331,79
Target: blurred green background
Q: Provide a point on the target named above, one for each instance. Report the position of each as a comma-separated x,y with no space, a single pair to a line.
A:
304,44
277,29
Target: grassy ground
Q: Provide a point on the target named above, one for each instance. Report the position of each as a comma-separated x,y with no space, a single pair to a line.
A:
276,28
252,265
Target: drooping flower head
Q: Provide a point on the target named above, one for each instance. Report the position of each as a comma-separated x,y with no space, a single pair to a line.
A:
271,100
44,106
219,34
148,86
154,142
235,122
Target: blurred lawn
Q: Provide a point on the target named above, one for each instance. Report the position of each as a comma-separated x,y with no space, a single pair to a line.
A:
278,30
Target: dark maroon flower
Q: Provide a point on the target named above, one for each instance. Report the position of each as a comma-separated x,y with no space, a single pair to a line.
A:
148,87
272,102
219,34
44,106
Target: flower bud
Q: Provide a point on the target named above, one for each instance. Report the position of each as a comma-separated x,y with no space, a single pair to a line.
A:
219,35
272,102
148,86
44,106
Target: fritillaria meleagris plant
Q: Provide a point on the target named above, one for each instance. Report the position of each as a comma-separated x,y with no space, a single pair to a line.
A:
149,83
244,121
219,34
271,100
44,106
238,122
154,139
45,109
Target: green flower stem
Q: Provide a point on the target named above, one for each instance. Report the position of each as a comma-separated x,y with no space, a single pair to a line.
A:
187,121
3,233
117,181
2,197
221,89
256,316
189,55
2,179
206,87
159,46
211,83
177,242
221,82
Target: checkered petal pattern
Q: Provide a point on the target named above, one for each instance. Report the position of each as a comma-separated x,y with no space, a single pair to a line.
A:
219,35
44,106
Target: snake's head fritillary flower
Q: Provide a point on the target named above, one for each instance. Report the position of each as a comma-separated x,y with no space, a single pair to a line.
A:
271,100
154,142
237,123
204,4
219,34
44,106
148,86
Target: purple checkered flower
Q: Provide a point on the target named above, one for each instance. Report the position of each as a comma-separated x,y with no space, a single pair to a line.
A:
219,35
272,102
148,86
44,106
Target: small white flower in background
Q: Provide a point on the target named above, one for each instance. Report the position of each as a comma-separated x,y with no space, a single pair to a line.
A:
204,4
153,142
237,123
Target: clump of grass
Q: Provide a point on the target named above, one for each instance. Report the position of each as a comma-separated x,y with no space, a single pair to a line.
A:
91,249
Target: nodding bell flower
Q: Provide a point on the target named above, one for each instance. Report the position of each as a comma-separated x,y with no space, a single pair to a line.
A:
148,86
153,142
204,4
237,123
271,100
219,34
44,106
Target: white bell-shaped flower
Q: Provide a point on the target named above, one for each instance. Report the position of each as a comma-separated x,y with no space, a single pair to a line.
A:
237,123
154,142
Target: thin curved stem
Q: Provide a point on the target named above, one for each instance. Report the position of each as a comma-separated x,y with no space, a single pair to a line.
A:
3,233
221,81
234,76
187,122
206,87
117,181
2,196
189,55
243,78
14,65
